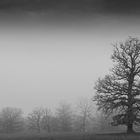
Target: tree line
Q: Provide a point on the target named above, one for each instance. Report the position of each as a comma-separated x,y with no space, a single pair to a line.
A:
63,119
81,118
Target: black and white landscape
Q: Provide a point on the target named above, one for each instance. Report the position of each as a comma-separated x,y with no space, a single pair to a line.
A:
69,69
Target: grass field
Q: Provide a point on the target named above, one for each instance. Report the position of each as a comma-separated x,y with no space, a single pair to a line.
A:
69,136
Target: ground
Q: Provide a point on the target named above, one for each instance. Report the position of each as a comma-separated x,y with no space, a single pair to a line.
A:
70,136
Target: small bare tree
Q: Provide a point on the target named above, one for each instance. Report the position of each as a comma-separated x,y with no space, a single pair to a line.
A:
85,110
46,120
34,119
64,115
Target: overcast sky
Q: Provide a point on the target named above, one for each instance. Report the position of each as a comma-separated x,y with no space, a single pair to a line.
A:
40,66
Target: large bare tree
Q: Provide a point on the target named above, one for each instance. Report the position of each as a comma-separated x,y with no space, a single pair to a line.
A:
118,93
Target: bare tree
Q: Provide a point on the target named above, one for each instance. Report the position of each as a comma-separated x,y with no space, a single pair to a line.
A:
46,120
119,92
35,119
64,115
11,120
85,110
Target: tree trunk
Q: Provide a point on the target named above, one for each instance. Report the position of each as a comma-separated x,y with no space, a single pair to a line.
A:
130,105
130,129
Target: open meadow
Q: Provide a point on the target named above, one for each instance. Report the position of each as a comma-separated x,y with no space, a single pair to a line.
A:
70,136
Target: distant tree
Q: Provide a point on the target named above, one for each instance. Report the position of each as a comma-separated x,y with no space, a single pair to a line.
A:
84,110
64,116
11,120
46,121
34,119
118,93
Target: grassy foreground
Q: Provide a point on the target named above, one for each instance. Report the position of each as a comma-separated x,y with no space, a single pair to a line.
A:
69,136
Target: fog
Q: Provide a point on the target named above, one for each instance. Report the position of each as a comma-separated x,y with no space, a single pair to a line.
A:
51,56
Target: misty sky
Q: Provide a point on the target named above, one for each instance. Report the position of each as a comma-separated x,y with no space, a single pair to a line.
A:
40,66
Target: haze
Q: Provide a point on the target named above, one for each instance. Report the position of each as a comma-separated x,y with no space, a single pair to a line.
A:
44,63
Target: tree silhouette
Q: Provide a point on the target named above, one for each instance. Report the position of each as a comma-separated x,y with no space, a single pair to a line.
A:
46,120
11,120
64,115
118,93
85,109
35,119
